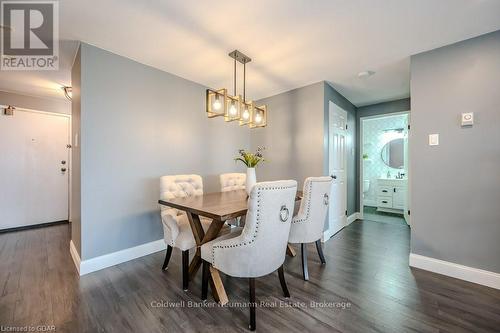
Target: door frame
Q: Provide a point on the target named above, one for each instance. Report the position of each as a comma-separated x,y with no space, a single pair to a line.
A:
360,158
327,234
70,161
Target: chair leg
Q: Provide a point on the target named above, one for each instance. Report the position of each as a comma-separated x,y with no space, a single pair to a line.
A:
167,257
305,271
320,251
185,270
251,284
204,280
281,274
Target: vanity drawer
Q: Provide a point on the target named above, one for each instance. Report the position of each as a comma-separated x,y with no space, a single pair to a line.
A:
383,190
384,202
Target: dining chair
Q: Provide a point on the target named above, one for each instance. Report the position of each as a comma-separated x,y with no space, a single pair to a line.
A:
233,182
259,248
176,228
308,224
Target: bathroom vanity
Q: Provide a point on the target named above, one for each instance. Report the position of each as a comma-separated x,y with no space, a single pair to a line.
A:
391,195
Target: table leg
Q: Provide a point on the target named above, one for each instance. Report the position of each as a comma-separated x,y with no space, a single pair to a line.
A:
290,251
218,290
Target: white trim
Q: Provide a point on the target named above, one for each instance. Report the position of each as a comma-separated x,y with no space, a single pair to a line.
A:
74,255
353,217
115,258
475,275
327,234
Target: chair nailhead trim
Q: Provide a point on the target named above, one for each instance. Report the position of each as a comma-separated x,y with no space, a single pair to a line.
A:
254,236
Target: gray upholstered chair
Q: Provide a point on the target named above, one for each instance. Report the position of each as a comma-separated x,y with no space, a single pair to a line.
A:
176,229
308,224
233,182
259,248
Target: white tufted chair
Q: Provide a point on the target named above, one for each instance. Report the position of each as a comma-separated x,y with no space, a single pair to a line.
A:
259,248
308,224
233,182
176,229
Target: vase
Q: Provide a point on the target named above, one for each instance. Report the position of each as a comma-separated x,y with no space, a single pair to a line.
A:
251,180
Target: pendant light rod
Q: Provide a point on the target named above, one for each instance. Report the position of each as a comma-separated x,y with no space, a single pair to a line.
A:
234,77
243,59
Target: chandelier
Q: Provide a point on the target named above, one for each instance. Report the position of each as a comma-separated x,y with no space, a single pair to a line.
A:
236,107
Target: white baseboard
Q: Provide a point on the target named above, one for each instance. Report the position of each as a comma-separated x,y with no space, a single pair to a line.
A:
74,255
351,218
475,275
114,258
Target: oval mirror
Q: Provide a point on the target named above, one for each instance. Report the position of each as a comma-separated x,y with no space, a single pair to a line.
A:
393,153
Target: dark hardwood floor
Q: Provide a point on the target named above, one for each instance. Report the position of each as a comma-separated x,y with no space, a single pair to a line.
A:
366,272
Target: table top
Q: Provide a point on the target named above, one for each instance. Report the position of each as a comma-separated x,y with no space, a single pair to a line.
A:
219,205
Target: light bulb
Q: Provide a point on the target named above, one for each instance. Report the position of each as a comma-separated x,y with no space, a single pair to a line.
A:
232,109
246,114
258,118
217,104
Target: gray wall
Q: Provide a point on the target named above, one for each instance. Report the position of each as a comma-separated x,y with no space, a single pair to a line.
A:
296,138
399,105
456,185
352,167
75,154
137,124
35,103
294,135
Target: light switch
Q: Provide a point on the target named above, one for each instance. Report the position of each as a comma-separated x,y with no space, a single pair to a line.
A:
433,139
468,119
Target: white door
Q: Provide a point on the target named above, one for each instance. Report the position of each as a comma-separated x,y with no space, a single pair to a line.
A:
337,146
34,168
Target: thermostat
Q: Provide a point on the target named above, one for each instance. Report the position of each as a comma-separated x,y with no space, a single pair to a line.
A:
468,119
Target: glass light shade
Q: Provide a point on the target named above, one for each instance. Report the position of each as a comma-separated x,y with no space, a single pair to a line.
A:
259,117
216,102
233,107
246,111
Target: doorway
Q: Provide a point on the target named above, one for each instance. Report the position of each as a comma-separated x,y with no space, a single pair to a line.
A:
384,168
337,165
34,168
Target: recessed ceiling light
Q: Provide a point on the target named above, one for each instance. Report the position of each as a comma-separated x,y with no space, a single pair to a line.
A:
365,74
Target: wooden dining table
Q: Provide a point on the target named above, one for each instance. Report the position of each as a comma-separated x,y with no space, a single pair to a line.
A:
220,207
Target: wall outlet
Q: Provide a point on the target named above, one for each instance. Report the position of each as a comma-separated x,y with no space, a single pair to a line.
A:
433,139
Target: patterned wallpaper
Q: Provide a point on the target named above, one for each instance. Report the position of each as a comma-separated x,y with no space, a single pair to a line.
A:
374,139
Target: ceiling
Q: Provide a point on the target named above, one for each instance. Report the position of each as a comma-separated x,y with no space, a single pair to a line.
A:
292,43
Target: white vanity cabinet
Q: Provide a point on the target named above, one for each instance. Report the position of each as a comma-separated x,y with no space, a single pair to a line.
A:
391,195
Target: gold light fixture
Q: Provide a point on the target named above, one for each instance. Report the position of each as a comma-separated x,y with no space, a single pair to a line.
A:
236,107
68,92
9,110
216,102
259,117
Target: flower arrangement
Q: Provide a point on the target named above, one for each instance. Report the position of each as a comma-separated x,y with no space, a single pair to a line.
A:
251,160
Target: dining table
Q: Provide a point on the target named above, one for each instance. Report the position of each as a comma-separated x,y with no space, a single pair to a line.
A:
219,207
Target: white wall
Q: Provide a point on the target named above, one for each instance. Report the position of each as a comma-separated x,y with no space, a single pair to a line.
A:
35,103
